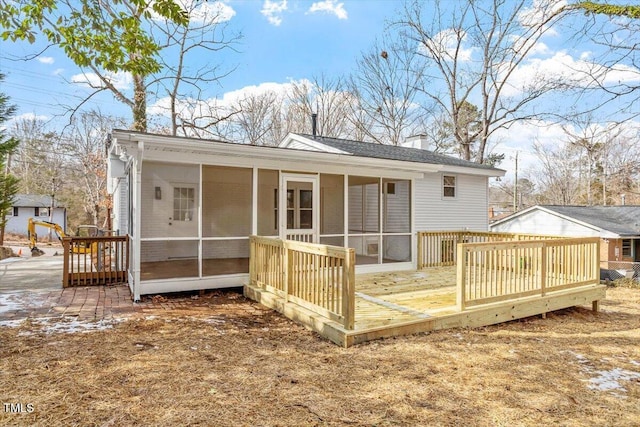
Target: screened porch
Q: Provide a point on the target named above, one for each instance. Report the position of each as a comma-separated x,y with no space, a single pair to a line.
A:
196,219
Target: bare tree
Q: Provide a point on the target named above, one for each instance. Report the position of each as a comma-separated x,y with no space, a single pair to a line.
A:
613,69
475,49
38,158
257,116
86,162
324,96
206,35
385,85
556,179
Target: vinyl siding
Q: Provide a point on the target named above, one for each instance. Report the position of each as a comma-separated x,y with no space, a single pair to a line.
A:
468,210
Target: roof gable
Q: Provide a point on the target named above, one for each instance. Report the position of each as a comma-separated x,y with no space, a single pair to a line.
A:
623,221
380,151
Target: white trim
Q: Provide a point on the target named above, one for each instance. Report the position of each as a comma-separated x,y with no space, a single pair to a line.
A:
200,220
455,186
254,201
193,283
414,236
311,144
314,180
137,198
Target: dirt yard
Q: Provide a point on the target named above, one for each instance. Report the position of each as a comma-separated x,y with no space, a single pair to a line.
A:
233,363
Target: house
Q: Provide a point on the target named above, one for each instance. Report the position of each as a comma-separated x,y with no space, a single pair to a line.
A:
35,206
190,205
617,226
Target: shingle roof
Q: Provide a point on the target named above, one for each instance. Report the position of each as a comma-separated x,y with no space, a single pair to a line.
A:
394,152
621,220
32,201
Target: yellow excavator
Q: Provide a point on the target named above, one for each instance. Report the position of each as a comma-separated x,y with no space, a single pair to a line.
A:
83,230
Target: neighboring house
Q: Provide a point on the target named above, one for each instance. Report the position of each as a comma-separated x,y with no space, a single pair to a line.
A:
35,206
190,205
617,226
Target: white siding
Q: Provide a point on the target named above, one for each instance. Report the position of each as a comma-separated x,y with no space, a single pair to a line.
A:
468,210
120,221
397,218
18,224
540,222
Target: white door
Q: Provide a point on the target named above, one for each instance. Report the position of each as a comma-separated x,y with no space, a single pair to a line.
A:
299,207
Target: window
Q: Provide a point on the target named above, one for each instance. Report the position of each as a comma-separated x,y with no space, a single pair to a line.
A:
14,211
183,203
306,209
448,186
627,248
391,188
41,211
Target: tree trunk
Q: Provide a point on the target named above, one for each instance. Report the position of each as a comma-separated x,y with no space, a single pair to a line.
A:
139,104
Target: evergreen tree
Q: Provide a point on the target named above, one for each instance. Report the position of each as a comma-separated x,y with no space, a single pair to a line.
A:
8,182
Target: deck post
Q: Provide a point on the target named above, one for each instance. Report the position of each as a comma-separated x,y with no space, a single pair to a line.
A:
461,269
288,270
349,289
252,260
65,262
420,251
543,269
595,306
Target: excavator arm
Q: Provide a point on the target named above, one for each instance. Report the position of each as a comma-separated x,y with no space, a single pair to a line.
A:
33,236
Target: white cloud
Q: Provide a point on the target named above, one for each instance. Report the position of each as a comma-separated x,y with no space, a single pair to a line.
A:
445,43
575,72
204,13
120,80
58,71
27,117
46,60
273,11
331,7
540,11
215,12
191,107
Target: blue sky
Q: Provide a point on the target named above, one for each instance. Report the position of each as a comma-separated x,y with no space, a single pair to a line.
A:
283,40
293,42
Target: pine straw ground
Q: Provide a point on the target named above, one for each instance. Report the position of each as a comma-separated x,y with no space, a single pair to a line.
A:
235,364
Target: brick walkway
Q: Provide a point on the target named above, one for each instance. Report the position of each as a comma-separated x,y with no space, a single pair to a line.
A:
94,303
85,303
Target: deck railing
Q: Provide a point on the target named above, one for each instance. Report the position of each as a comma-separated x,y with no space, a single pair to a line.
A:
438,248
498,271
90,261
320,278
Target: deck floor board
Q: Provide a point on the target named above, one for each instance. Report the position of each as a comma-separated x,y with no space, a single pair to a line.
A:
400,303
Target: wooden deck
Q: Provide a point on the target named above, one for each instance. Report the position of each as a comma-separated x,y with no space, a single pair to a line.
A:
409,302
491,279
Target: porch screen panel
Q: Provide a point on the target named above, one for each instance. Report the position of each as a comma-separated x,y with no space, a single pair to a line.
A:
226,201
225,257
364,204
331,204
396,215
396,249
169,200
267,202
168,259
